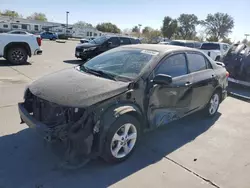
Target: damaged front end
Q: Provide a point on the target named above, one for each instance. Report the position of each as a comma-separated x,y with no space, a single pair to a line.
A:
76,128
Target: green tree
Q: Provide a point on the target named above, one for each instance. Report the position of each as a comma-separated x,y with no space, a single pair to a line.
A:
170,27
187,24
136,29
81,24
245,41
218,25
108,27
38,16
10,13
152,36
146,30
227,40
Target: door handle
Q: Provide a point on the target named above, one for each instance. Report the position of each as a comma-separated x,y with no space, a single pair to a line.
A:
188,83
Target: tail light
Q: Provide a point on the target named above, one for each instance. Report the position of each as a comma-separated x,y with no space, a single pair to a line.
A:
39,41
227,74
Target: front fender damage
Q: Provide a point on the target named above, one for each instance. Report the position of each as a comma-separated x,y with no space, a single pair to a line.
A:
78,138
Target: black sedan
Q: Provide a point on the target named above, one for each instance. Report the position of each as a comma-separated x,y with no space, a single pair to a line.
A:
102,107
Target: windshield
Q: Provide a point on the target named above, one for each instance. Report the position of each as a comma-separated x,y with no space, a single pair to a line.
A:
123,63
98,40
210,46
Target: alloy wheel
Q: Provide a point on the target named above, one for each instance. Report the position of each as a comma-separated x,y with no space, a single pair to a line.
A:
214,104
123,140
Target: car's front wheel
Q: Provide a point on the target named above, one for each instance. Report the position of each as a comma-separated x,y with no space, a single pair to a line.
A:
121,139
213,105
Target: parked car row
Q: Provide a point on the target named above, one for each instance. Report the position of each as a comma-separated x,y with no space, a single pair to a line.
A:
101,44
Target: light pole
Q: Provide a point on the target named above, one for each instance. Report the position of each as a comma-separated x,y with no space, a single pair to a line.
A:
139,30
67,19
247,35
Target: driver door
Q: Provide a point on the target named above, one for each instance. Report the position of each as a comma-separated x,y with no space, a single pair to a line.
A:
170,102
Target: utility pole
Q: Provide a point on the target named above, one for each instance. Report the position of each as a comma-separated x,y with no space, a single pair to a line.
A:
247,35
139,30
67,22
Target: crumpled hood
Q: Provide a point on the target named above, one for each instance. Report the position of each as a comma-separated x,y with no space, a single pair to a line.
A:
86,45
72,88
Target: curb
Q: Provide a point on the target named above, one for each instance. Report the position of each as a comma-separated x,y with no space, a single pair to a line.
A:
61,41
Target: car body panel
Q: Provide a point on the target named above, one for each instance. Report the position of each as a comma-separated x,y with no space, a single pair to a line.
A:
29,39
48,35
98,102
79,90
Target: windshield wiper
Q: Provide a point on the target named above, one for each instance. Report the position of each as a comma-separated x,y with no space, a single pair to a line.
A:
100,73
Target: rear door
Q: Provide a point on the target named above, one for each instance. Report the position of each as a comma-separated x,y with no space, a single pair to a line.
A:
203,79
124,41
169,102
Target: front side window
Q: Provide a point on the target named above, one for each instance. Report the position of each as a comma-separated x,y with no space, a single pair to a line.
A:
98,40
127,63
115,41
174,66
196,62
190,45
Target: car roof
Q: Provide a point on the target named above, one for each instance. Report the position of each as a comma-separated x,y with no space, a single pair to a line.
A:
185,41
163,49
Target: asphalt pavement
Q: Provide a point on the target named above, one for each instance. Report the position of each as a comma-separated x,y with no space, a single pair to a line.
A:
193,152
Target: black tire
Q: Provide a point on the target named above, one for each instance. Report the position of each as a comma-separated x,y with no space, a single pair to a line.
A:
17,55
107,154
207,110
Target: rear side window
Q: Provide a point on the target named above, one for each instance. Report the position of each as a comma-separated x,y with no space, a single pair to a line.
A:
124,41
135,41
174,66
196,62
210,46
115,41
190,45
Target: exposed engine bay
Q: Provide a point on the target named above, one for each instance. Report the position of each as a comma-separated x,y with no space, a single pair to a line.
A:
74,127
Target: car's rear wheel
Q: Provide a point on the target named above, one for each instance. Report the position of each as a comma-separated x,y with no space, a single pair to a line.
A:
17,55
213,105
121,139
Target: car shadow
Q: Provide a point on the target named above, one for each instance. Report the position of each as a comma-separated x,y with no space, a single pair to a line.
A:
5,63
30,163
74,61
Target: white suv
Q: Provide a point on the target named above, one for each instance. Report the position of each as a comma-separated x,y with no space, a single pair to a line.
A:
215,50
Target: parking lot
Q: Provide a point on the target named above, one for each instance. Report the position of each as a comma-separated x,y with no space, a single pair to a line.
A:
193,152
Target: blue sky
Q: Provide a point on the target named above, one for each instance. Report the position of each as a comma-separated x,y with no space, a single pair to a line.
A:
127,13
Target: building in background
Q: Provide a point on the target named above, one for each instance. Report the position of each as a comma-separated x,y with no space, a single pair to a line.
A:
8,23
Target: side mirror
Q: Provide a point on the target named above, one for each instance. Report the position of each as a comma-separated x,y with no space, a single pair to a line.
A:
109,43
162,79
